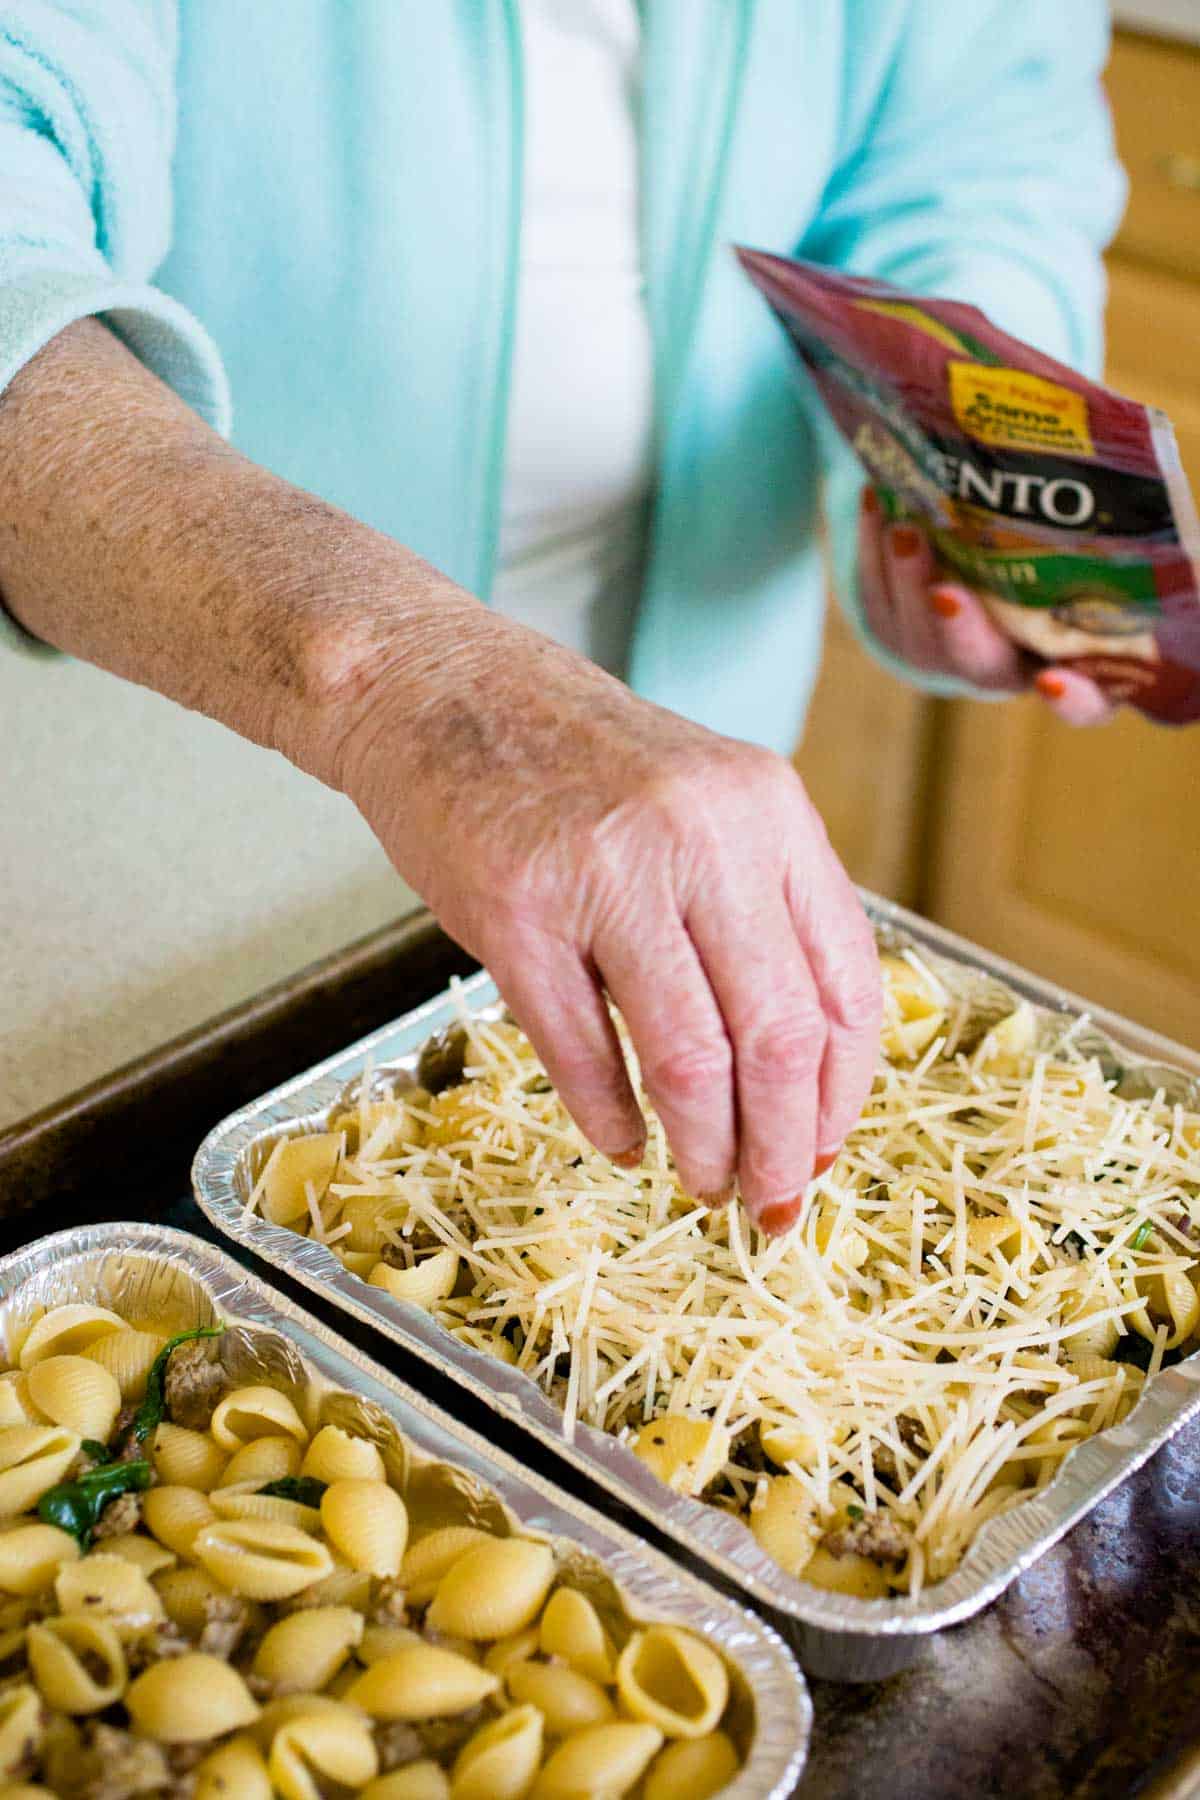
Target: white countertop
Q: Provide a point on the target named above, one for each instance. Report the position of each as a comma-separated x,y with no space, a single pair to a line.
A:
1165,18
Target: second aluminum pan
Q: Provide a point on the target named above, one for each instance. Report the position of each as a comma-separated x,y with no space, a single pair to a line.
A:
836,1636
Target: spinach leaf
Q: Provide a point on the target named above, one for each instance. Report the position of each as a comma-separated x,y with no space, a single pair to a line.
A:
304,1488
75,1506
150,1413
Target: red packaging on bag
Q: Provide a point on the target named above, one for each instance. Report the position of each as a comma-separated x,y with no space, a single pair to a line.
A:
1064,504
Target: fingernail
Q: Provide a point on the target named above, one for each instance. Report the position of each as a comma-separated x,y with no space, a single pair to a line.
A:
824,1162
870,501
906,540
718,1197
777,1219
1050,686
631,1158
945,602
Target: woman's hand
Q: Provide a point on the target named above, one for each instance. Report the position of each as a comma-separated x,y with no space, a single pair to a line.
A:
580,841
942,625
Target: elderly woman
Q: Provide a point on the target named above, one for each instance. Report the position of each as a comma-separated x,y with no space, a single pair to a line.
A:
516,542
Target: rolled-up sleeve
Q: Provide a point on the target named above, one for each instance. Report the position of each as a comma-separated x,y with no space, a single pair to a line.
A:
87,124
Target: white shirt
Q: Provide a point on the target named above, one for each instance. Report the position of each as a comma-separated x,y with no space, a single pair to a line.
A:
578,467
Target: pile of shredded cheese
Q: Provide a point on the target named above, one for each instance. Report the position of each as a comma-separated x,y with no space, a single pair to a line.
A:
1002,1253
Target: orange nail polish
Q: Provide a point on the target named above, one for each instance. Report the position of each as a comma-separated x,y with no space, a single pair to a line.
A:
945,603
631,1158
906,540
1050,686
777,1219
870,502
718,1197
824,1162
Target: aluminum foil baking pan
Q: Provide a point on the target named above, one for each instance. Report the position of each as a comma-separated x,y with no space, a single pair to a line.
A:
836,1636
445,1471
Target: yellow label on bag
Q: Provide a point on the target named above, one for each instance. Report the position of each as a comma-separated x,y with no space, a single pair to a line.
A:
1015,411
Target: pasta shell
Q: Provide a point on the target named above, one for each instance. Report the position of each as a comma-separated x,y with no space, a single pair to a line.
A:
16,1403
32,1459
78,1664
604,1759
672,1679
261,1560
422,1780
785,1523
850,1574
278,1713
67,1331
567,1700
504,1655
379,1641
77,1393
128,1356
304,1651
262,1460
142,1552
501,1759
685,1453
108,1587
914,1010
492,1343
341,1587
692,1769
366,1215
256,1412
21,1728
422,1682
319,1750
174,1515
184,1458
360,1263
427,1282
189,1699
571,1630
31,1556
495,1589
245,1502
426,1561
236,1771
335,1455
367,1522
296,1168
185,1594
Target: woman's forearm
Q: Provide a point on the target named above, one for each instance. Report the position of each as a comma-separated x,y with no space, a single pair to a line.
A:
134,537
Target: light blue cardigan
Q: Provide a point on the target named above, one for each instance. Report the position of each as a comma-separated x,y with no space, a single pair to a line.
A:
345,191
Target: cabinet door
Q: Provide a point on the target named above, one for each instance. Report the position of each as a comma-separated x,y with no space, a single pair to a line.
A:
1078,852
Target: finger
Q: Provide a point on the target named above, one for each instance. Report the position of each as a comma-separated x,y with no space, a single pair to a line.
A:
909,561
836,936
558,1004
773,1016
971,645
1074,698
872,574
686,1061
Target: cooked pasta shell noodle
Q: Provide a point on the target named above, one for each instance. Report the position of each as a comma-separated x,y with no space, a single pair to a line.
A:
31,1556
278,1713
128,1356
21,1728
1092,1334
367,1523
368,1216
360,1263
143,1552
184,1458
672,1679
500,1761
305,1650
319,1751
297,1167
1008,1045
492,1343
78,1664
914,1010
186,1595
234,1771
785,1523
245,1502
261,1560
426,1561
1059,1434
189,1699
379,1641
16,1403
335,1455
567,1700
32,1459
67,1331
511,1650
427,1282
602,1760
108,1587
342,1586
422,1780
787,1444
685,1453
256,1412
994,1231
495,1589
174,1515
421,1682
263,1460
692,1769
571,1630
849,1574
1173,1298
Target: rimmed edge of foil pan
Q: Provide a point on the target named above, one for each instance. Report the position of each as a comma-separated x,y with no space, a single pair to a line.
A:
453,1471
837,1636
